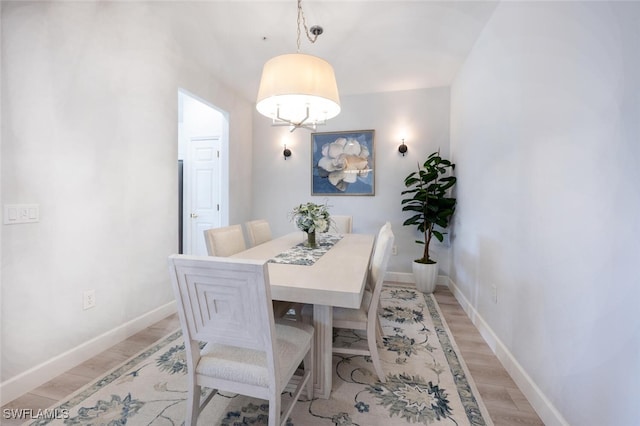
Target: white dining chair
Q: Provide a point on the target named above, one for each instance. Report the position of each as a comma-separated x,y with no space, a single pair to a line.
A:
226,303
224,241
258,231
366,317
342,224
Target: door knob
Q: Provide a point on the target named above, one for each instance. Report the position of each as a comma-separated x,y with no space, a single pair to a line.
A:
193,215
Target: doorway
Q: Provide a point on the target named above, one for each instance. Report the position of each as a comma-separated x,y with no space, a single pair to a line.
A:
203,180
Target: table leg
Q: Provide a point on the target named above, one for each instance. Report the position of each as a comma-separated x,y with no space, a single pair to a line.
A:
323,325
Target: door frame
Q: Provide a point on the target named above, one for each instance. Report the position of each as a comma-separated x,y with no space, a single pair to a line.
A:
183,139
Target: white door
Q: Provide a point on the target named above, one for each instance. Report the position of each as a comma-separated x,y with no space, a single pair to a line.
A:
202,203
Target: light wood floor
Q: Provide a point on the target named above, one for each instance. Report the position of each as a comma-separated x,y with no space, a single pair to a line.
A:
507,406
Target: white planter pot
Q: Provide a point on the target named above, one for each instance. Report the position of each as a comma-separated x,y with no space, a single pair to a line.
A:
426,275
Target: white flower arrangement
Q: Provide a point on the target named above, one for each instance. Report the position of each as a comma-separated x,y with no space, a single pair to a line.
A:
311,217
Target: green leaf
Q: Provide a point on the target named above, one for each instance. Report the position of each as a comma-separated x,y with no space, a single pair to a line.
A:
413,220
410,191
411,208
410,180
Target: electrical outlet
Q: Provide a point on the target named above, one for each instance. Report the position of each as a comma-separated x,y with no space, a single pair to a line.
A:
394,250
88,299
494,293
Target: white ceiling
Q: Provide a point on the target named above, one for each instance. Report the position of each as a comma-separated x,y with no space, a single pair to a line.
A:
374,46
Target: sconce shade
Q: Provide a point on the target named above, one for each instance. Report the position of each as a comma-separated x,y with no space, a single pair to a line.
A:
292,83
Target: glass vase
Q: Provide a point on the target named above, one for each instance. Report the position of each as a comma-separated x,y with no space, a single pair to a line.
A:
311,239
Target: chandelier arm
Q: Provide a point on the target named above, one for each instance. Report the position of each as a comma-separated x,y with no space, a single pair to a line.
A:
293,123
281,121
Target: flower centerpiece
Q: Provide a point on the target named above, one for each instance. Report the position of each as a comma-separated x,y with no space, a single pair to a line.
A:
311,218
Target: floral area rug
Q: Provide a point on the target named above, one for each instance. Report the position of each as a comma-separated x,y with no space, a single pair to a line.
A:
426,382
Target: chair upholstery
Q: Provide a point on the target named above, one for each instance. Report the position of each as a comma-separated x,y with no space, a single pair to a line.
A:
258,232
226,303
366,317
225,241
342,224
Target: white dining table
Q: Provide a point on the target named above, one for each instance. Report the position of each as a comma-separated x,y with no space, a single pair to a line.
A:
336,279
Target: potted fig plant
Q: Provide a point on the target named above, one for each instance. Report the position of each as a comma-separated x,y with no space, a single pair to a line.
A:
427,198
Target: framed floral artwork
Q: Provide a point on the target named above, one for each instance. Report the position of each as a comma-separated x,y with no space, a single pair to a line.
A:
342,163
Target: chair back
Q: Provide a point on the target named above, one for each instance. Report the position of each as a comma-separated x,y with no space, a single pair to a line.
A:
380,259
226,301
225,241
386,226
342,224
258,232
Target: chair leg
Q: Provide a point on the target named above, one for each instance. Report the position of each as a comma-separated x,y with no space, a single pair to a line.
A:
379,334
373,349
297,307
274,411
308,366
193,405
379,324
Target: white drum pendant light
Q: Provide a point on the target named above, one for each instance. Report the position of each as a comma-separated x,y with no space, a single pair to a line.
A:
298,90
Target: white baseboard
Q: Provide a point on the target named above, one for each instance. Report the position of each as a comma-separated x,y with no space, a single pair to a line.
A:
40,374
407,278
540,403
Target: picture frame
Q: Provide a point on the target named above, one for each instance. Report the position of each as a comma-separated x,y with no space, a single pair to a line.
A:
342,163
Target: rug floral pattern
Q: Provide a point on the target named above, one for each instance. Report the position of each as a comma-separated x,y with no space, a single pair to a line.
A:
426,382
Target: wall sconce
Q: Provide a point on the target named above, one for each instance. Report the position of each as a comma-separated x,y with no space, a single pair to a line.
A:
402,149
286,152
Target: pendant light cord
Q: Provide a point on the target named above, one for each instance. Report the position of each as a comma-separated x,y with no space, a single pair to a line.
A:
303,20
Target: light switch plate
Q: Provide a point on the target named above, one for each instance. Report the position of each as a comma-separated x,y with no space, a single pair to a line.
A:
21,213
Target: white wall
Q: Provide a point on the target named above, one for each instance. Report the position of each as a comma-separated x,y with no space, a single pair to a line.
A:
90,119
279,185
545,131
